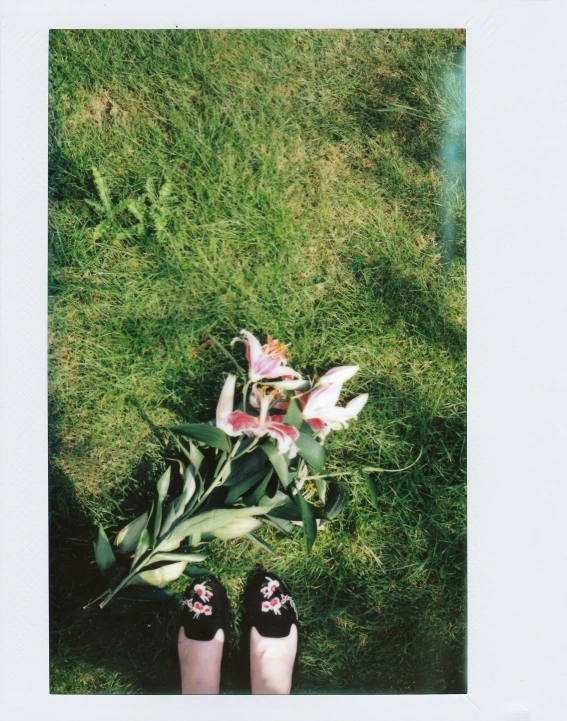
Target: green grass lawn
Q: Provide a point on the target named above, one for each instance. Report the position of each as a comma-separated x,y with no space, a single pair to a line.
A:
297,183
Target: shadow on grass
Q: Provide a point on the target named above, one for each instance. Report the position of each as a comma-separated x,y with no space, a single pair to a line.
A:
405,298
411,645
419,629
133,641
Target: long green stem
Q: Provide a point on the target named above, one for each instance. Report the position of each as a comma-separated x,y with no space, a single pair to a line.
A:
143,561
102,595
244,395
369,469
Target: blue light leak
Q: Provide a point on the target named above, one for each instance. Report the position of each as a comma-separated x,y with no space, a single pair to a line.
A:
453,156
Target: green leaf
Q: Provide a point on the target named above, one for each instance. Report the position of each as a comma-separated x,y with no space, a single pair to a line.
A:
170,516
162,488
189,488
278,462
287,510
207,522
194,539
372,488
104,555
260,542
278,499
306,429
258,492
195,456
309,524
293,415
311,451
245,484
210,435
202,523
159,576
170,544
188,557
281,523
143,545
246,465
337,498
195,570
127,540
237,527
321,486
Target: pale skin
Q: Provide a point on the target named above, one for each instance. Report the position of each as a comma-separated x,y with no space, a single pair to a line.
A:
271,663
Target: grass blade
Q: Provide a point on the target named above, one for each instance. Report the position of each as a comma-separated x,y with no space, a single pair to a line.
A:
372,488
260,542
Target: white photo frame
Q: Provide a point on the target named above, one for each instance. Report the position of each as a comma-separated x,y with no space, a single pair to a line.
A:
516,260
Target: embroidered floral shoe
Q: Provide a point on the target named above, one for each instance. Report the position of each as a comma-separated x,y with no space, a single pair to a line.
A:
268,606
204,609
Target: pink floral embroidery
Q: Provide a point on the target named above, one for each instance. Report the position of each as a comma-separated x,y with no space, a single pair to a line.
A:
269,588
202,591
275,603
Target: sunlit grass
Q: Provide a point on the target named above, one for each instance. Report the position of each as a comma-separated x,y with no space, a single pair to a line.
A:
289,183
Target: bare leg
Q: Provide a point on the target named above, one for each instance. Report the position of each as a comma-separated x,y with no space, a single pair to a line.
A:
271,662
200,663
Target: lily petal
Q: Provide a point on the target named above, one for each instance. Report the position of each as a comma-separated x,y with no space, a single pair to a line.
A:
321,398
340,374
357,404
272,426
226,402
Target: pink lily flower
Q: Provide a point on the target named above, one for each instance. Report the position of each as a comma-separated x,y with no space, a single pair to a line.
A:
319,408
265,361
234,423
272,426
322,415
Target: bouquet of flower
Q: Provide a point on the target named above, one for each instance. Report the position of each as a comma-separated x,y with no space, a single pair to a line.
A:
261,463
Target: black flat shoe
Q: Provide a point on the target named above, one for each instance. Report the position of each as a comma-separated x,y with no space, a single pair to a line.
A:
268,606
204,609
